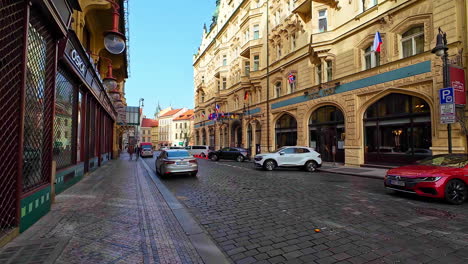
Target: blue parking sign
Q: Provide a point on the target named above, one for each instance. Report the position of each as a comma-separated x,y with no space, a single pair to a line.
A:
446,95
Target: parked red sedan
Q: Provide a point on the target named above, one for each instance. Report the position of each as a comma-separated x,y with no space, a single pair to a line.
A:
440,176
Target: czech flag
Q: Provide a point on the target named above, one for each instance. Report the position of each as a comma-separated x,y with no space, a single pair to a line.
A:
377,42
217,107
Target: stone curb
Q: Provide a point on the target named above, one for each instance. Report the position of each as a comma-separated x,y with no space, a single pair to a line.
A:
351,174
202,243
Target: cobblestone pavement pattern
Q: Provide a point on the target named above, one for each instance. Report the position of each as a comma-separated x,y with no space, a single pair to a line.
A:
269,217
114,215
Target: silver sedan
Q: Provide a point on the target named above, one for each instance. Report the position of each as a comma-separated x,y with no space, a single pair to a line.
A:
174,161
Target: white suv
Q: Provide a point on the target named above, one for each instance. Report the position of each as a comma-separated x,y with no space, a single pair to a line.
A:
199,150
303,157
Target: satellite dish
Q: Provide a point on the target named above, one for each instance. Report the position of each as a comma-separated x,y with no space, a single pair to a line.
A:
114,42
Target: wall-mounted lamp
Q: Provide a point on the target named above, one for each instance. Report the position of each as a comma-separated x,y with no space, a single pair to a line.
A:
109,82
114,41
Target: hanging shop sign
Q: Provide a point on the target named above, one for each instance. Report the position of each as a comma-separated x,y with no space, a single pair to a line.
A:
457,81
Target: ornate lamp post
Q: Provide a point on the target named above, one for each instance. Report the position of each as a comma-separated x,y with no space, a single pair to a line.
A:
440,50
114,41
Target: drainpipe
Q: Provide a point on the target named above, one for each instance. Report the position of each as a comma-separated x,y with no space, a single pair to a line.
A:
268,77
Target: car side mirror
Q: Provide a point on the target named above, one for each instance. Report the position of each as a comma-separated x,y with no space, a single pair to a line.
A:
281,153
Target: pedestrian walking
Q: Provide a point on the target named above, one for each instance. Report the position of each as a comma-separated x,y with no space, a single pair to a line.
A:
130,151
137,152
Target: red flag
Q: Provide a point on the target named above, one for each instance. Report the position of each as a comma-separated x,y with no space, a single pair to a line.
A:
246,96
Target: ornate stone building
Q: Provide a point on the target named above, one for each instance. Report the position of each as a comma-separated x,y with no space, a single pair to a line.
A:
303,73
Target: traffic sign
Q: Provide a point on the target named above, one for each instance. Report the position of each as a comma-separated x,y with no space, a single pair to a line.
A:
446,96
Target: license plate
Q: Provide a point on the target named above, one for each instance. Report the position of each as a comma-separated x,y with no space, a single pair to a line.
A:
397,183
181,163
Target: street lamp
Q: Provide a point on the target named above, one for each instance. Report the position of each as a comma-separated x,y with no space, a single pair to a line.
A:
114,41
141,104
440,50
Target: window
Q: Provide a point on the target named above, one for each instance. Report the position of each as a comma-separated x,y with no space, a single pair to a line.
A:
256,63
247,68
278,89
256,32
247,35
366,4
185,125
322,20
176,136
293,41
203,97
291,5
278,51
319,73
224,60
277,18
329,71
372,59
219,85
224,83
412,41
292,83
203,79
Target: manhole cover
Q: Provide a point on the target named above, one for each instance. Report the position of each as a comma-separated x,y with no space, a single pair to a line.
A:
434,212
37,251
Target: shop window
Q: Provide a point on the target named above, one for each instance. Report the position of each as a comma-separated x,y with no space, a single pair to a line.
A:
372,59
397,130
286,131
65,114
278,89
412,41
322,20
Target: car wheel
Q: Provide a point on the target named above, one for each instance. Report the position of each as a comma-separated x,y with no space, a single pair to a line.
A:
456,191
310,166
269,165
240,158
214,157
203,155
194,173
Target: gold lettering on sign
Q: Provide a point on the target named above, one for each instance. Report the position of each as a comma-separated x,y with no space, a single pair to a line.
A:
325,92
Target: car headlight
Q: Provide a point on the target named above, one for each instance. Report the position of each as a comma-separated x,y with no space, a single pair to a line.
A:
430,179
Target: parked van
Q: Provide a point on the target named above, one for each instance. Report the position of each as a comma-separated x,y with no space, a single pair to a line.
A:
146,149
199,150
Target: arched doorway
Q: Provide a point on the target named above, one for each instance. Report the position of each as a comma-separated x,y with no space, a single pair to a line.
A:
327,133
203,136
286,131
236,134
397,130
212,137
249,136
258,137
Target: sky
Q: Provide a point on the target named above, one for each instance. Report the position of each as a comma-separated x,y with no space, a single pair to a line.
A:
164,35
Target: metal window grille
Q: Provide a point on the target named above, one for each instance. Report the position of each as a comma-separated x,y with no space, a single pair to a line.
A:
92,129
64,121
39,102
11,51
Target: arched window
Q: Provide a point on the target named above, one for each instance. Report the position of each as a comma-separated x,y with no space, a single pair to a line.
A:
286,131
412,41
278,89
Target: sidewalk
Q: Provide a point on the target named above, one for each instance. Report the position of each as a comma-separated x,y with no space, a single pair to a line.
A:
355,171
120,213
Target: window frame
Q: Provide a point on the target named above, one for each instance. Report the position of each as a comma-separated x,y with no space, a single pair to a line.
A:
278,89
256,62
256,31
412,38
323,17
329,70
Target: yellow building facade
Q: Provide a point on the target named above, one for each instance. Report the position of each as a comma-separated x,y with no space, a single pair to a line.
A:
90,24
303,73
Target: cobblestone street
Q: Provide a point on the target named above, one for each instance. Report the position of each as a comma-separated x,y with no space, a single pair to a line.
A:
114,215
269,217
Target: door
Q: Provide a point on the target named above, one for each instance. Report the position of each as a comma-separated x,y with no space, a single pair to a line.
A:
287,158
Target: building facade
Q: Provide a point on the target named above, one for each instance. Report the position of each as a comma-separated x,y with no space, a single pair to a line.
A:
183,127
147,126
166,126
58,119
303,73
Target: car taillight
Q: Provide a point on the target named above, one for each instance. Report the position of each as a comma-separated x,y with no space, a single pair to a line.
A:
169,162
193,161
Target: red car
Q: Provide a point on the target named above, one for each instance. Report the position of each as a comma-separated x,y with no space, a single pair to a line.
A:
440,176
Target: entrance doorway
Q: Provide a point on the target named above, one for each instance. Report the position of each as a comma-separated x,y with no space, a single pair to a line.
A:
397,130
286,131
327,133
